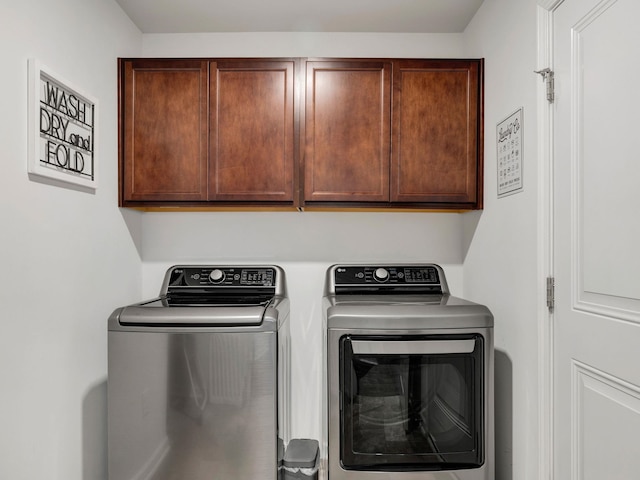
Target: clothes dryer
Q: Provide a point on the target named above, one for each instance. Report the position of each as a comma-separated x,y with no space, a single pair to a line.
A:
409,377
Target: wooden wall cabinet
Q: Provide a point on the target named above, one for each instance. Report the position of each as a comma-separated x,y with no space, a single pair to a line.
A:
164,136
202,132
437,125
251,156
348,131
301,133
399,133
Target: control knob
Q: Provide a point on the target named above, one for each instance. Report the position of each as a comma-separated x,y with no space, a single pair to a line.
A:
381,274
216,276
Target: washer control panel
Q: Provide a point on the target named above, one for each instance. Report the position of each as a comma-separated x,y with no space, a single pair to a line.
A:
223,276
386,274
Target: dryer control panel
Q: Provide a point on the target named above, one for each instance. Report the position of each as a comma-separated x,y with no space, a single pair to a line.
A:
427,278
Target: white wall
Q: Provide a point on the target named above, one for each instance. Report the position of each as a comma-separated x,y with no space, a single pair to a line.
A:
306,243
301,44
68,257
502,262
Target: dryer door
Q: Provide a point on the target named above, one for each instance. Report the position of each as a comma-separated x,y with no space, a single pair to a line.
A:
412,402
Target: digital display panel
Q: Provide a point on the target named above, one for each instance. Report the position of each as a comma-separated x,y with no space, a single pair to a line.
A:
262,277
421,275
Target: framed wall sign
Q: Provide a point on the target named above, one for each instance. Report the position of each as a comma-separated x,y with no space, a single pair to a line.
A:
62,129
509,146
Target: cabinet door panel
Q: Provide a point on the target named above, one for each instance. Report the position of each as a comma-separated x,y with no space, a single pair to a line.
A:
436,132
164,131
252,131
348,112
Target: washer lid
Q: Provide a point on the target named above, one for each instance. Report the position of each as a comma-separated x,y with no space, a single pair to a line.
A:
158,313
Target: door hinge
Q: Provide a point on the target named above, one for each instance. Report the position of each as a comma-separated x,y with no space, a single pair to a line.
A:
551,292
547,77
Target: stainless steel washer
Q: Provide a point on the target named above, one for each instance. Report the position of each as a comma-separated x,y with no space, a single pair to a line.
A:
198,378
409,377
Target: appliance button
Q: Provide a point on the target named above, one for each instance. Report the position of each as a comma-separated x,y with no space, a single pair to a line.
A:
381,275
216,276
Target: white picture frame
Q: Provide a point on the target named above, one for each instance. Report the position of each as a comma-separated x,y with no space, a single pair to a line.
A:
62,130
509,148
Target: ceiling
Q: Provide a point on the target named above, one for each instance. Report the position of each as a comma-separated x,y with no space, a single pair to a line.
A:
383,16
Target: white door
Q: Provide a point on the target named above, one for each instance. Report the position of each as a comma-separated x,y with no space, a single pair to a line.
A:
596,57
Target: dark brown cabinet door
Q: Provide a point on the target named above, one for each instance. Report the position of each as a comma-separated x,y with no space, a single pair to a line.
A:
252,131
164,136
436,132
347,131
